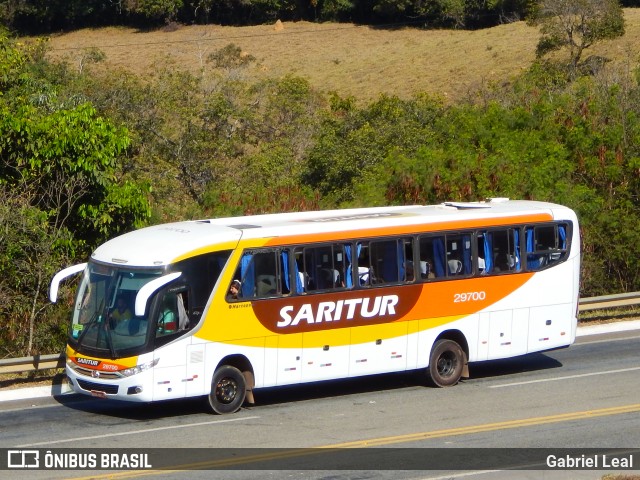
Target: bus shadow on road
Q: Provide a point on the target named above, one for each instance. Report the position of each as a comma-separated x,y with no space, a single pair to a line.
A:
131,410
495,369
339,388
265,396
531,362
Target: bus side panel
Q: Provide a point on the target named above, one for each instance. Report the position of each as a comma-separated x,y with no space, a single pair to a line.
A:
483,337
553,308
500,333
552,286
385,353
169,375
289,362
196,383
550,327
271,352
503,333
325,354
520,330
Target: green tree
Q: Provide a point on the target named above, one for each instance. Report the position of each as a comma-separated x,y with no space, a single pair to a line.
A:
32,249
68,159
575,25
60,186
353,143
276,122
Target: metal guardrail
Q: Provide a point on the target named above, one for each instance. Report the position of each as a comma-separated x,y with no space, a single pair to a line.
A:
28,364
45,362
609,301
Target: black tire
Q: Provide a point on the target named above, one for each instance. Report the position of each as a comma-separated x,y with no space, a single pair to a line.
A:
228,390
445,363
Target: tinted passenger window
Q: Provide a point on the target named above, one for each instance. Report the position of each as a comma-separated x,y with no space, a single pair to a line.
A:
546,245
499,251
382,262
261,274
323,267
445,256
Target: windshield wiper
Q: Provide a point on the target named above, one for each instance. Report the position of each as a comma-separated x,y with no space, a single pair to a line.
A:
85,327
112,349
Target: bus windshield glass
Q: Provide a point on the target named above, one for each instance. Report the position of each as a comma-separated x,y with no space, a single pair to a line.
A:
104,321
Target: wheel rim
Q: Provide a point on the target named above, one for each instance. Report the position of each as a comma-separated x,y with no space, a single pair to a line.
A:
447,364
226,390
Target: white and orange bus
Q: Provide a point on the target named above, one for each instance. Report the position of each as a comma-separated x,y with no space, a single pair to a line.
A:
218,308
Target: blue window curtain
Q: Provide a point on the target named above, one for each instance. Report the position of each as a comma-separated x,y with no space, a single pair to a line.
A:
285,269
533,262
488,252
563,236
349,266
247,270
438,257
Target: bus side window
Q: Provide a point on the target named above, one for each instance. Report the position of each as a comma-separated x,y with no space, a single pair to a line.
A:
432,258
386,261
167,322
257,273
409,271
445,256
546,245
459,255
499,251
182,301
261,274
324,267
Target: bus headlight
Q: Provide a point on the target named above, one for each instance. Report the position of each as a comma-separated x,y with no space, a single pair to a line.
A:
139,368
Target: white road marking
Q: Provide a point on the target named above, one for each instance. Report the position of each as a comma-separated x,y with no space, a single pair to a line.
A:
136,432
542,380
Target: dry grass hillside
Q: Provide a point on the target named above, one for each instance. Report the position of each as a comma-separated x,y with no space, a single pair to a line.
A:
352,60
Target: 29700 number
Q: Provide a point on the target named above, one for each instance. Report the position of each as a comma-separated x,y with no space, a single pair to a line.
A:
468,297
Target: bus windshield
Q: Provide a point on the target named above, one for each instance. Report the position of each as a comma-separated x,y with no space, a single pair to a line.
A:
104,321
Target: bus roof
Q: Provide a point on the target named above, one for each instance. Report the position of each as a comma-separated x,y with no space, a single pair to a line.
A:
161,245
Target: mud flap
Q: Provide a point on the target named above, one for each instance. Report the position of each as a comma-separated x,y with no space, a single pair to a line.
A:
465,368
250,382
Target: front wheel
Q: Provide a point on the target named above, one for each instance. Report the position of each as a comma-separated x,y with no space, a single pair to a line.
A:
446,363
228,390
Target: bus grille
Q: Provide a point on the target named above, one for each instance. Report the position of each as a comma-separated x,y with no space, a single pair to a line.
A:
98,387
90,373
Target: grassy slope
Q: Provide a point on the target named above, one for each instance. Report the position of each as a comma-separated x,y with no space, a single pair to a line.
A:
352,60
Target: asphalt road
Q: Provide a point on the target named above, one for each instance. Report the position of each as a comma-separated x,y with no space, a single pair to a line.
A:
583,397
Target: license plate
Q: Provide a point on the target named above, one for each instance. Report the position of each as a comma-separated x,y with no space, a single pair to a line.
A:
98,394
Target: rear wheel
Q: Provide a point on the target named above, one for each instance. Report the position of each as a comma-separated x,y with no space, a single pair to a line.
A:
228,390
446,363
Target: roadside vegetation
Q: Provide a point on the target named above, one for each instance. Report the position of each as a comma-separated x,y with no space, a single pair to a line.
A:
87,153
